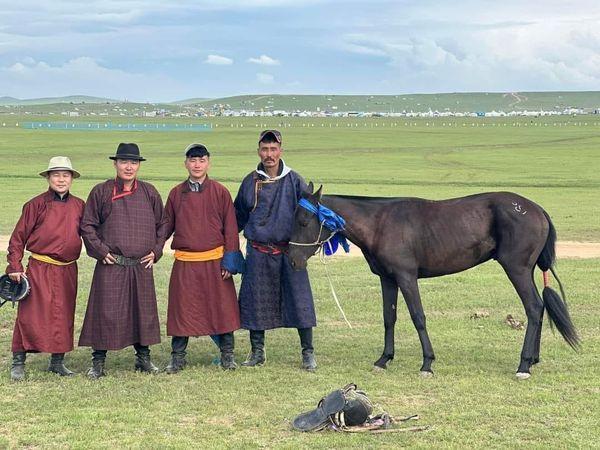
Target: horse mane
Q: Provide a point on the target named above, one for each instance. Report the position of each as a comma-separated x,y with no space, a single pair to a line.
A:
364,198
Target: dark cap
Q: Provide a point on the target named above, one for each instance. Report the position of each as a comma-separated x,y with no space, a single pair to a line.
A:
196,151
274,134
127,151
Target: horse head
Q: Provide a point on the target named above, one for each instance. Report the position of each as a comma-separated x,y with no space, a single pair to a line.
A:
307,232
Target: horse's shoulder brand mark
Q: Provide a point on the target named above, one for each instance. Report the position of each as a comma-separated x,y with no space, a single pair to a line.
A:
518,208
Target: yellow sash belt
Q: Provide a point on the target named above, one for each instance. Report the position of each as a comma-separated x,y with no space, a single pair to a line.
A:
49,260
209,255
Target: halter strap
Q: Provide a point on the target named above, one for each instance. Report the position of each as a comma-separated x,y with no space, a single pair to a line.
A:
330,220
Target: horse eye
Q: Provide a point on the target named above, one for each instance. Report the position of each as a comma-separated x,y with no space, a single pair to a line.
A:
303,223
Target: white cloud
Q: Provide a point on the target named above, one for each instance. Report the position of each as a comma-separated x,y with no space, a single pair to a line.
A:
552,55
218,60
264,60
265,78
151,49
83,76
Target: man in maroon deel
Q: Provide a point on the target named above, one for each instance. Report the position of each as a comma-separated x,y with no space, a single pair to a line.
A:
202,298
49,229
122,228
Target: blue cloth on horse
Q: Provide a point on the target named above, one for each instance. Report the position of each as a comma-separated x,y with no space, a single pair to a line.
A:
272,294
330,220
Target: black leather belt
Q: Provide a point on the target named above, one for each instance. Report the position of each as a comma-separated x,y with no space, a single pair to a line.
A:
125,261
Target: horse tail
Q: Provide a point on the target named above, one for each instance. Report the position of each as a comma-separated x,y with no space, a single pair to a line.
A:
558,313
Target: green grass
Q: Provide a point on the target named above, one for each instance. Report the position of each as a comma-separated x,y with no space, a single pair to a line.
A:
472,401
557,166
459,102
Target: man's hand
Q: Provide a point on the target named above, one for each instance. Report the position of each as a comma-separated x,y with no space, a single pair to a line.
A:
148,260
109,259
16,276
225,274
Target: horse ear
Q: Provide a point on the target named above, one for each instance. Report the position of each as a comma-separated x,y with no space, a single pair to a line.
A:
311,187
318,193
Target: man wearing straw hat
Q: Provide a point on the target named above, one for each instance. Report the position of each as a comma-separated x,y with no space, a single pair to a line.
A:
49,229
122,227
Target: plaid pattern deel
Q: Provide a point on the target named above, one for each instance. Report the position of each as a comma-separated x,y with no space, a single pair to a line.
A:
122,307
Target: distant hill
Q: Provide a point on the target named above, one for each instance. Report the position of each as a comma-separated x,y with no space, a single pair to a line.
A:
191,101
456,102
453,102
53,100
9,101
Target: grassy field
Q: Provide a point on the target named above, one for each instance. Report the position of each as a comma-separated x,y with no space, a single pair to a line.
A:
557,166
474,399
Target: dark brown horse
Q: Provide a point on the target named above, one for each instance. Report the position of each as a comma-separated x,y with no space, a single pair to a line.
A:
404,239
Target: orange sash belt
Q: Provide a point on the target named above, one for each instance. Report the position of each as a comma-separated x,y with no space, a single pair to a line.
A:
209,255
49,260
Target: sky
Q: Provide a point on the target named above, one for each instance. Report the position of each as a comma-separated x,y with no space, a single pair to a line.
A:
151,50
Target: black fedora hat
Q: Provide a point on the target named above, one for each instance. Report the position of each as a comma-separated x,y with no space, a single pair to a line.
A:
127,151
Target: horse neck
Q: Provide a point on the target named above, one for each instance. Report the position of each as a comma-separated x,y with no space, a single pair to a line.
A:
358,215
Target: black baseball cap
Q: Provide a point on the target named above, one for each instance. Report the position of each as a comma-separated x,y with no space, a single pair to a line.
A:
268,133
196,151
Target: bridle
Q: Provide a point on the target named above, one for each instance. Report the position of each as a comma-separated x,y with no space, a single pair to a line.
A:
319,243
333,223
328,220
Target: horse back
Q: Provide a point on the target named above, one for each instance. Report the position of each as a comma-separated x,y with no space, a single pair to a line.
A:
447,236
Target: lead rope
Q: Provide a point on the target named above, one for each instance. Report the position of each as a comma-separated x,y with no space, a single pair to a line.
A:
321,251
335,297
337,302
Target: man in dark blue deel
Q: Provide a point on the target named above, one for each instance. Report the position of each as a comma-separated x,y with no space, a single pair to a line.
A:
272,294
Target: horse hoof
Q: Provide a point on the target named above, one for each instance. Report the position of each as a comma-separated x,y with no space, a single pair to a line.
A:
425,374
378,369
523,375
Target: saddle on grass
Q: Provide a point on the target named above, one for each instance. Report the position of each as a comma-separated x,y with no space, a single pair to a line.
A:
350,410
346,407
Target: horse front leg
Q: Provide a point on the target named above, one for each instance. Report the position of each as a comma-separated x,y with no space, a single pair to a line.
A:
410,291
389,290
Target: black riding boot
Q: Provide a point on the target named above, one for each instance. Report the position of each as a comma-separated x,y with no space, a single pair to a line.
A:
178,346
308,351
257,341
17,369
142,359
57,365
226,343
97,369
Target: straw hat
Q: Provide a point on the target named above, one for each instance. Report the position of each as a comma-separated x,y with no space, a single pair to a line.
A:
60,163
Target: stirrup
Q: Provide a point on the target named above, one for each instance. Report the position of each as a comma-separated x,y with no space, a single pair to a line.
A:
318,418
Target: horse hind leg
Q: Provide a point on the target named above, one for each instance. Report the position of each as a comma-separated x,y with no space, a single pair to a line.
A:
389,290
538,341
522,280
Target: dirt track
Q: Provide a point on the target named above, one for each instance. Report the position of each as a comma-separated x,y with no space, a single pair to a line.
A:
564,249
